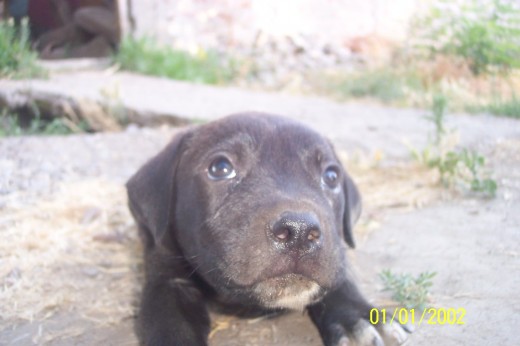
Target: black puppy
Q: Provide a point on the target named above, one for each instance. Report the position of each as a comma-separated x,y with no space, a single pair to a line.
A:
251,213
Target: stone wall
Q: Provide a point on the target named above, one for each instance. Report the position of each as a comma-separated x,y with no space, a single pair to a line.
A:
190,24
280,38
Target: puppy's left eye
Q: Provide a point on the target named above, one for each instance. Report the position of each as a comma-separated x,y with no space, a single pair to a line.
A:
331,177
221,168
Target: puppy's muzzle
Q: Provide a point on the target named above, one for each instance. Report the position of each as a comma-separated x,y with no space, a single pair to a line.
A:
296,233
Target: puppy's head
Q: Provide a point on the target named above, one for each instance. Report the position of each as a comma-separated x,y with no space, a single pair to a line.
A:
258,205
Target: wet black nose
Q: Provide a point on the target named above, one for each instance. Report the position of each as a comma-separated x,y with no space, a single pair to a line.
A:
296,231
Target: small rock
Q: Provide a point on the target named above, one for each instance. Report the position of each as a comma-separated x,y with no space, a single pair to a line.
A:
90,271
111,237
132,128
90,214
10,278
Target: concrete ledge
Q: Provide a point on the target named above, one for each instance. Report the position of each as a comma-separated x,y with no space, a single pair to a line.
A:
152,100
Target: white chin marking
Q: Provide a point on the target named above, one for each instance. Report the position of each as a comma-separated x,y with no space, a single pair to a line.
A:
291,291
298,301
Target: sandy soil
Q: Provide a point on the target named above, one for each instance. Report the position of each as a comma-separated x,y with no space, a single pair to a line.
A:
70,268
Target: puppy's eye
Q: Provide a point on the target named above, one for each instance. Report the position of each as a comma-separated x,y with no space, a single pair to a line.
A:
331,177
221,168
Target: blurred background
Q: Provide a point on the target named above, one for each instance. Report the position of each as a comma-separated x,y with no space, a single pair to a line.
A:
395,52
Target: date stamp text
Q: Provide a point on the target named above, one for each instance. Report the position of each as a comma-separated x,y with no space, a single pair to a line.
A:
439,316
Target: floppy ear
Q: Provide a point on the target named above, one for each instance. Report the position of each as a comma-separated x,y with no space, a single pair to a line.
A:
151,190
352,209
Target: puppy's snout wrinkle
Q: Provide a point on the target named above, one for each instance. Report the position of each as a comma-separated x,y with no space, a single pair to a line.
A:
296,231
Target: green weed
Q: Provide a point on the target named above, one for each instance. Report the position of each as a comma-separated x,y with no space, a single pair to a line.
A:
10,125
384,84
508,108
463,168
17,60
484,33
409,291
149,57
409,85
439,105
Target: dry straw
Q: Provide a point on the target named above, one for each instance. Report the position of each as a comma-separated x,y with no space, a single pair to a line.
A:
74,253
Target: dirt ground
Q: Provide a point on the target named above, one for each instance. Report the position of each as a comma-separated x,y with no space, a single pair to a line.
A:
70,267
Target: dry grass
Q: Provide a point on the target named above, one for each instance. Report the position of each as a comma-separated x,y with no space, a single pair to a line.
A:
399,187
409,82
74,252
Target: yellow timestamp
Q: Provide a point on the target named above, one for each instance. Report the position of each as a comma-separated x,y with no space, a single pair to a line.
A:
440,316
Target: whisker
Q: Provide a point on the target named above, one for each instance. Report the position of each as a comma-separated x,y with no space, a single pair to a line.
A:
194,270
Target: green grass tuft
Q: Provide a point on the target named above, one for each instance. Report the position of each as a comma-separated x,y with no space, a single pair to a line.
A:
411,292
10,125
17,60
148,57
382,84
484,33
509,108
457,168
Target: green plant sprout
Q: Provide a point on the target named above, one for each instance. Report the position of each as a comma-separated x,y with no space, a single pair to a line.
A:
463,168
409,291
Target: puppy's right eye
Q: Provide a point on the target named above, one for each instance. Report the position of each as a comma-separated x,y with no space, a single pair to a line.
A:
221,168
330,177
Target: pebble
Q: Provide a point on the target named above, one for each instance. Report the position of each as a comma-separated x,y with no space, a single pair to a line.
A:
90,214
10,278
91,272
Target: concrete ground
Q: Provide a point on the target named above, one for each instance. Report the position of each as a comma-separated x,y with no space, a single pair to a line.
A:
56,184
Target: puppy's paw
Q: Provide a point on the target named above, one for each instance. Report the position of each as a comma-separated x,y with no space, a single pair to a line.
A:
394,333
365,334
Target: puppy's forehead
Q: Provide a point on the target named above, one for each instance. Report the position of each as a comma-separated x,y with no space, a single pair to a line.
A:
255,131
